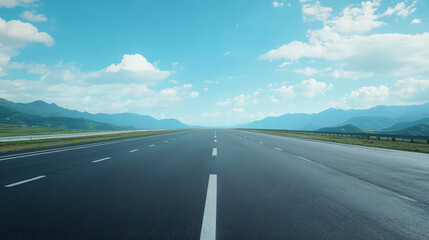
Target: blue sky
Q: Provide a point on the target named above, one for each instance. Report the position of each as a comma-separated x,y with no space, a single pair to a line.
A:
214,63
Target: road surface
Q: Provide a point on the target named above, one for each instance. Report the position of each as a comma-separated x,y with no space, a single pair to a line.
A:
214,184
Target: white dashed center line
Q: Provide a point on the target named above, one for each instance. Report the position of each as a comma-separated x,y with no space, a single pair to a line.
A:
165,141
278,149
261,143
152,145
100,160
214,152
208,228
215,140
135,150
24,181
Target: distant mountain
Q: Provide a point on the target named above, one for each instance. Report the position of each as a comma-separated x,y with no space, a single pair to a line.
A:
121,119
415,130
342,129
403,125
378,117
10,116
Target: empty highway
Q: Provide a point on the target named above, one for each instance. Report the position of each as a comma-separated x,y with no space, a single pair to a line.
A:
214,184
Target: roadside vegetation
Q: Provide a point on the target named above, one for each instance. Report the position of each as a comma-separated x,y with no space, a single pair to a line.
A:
406,145
24,145
12,130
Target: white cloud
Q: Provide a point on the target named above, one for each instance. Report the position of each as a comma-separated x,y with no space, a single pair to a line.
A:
312,87
238,110
274,99
241,99
307,71
223,103
406,91
194,94
316,11
15,3
340,73
187,86
416,21
173,81
277,4
284,91
32,16
169,91
284,64
134,68
344,39
205,89
227,53
401,9
15,35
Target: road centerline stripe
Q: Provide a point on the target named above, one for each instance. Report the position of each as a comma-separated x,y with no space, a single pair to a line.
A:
24,181
278,149
215,140
208,228
261,143
100,160
165,141
214,152
135,150
152,145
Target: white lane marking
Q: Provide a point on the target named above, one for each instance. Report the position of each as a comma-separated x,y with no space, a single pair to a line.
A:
215,140
406,198
278,149
103,159
208,228
165,141
252,139
261,143
305,159
43,152
24,181
214,136
135,150
214,152
152,145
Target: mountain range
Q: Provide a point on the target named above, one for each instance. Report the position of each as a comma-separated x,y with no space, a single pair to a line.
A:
50,115
376,118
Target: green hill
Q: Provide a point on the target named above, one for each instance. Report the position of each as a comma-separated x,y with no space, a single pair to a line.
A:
415,130
10,116
349,128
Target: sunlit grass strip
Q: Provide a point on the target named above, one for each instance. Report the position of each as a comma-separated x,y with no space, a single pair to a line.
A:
407,145
24,145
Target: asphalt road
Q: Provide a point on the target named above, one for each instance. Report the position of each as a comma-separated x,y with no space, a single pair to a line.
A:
214,184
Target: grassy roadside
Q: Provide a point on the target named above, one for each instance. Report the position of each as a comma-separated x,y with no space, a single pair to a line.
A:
405,146
24,145
11,130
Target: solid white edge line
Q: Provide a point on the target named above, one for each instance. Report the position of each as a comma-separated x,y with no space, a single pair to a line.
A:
103,159
24,181
152,145
214,152
43,152
208,228
278,149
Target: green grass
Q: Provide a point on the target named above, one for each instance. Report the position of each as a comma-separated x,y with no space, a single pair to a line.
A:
417,146
24,145
11,130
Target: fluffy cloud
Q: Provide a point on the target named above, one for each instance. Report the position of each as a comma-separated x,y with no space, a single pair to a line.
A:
15,3
194,94
133,67
344,39
15,34
277,4
307,71
32,16
404,91
416,21
224,102
309,88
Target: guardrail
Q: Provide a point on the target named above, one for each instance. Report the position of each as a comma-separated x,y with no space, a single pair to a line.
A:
376,136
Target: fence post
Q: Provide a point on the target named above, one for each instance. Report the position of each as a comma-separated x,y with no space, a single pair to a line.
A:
412,140
393,139
428,141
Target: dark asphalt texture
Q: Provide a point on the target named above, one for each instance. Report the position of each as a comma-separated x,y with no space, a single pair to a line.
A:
268,187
